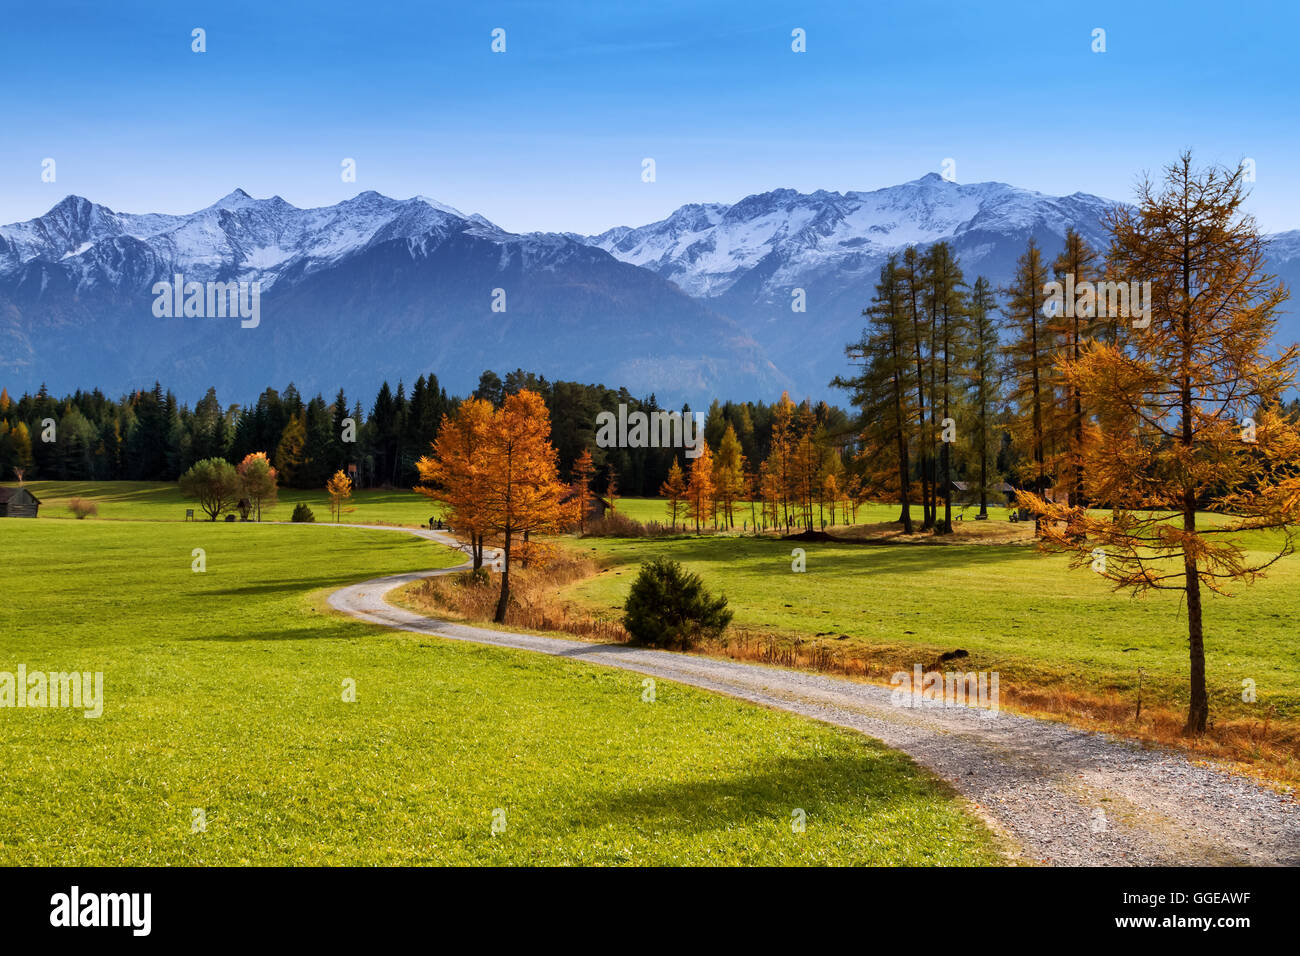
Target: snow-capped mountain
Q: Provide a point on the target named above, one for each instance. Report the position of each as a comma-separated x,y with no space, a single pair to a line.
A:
239,237
747,259
695,306
369,288
787,235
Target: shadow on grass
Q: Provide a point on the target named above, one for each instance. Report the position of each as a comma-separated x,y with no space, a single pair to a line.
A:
842,558
301,586
340,629
872,782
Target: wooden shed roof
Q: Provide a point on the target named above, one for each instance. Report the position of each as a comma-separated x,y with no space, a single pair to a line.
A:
7,494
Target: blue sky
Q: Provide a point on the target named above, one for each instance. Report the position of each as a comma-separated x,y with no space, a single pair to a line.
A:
551,134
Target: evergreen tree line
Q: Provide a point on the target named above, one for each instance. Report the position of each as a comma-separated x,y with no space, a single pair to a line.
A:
151,436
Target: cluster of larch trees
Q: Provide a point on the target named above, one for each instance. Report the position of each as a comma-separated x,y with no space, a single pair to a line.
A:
1119,433
801,483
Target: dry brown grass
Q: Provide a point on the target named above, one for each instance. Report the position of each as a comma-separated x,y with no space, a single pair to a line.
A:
1267,749
472,596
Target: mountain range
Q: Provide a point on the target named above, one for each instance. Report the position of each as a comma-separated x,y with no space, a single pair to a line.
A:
695,306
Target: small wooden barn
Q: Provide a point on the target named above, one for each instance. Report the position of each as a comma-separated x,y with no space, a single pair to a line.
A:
18,503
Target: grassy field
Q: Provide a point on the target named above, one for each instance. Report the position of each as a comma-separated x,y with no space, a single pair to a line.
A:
224,694
163,501
1017,611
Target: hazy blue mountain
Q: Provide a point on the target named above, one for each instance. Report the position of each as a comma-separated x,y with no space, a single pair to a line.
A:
694,306
368,289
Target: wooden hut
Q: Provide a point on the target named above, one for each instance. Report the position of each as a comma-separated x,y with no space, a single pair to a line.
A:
18,503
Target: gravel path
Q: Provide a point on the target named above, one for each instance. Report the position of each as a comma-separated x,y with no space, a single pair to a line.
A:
1065,796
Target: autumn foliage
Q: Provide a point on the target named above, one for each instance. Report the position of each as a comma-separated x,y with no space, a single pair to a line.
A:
1186,417
339,488
495,470
258,482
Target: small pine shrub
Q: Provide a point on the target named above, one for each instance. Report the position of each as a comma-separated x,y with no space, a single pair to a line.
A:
302,513
669,607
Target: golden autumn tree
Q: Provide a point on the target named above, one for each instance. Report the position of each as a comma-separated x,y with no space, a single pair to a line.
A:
339,488
830,477
674,489
699,488
257,480
729,475
753,493
453,474
1186,409
523,494
611,489
584,469
784,433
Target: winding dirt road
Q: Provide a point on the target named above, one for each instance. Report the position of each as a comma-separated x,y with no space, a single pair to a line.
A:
1064,796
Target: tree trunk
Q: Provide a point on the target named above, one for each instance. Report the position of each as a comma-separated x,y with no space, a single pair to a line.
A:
1040,484
1078,430
1198,707
947,490
984,464
927,516
904,466
947,446
504,600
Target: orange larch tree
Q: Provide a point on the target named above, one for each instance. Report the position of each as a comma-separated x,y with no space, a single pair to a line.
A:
699,488
453,475
584,469
1187,418
674,489
523,494
729,475
339,488
258,481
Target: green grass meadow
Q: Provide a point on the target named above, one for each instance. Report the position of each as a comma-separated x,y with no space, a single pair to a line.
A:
1016,610
163,501
224,694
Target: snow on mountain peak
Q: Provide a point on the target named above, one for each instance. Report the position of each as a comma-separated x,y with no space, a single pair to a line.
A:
707,249
253,239
232,199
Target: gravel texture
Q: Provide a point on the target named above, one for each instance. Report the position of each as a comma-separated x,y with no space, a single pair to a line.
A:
1063,796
